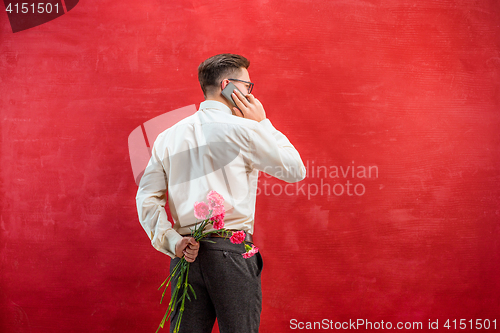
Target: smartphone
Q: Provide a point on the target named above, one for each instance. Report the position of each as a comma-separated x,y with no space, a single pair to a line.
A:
226,92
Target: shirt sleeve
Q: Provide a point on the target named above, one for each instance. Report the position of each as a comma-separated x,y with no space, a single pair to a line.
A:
273,154
151,200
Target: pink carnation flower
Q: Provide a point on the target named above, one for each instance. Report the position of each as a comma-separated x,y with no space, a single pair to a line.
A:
215,199
238,237
217,210
218,221
251,252
201,210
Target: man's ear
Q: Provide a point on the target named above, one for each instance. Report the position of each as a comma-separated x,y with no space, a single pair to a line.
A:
224,83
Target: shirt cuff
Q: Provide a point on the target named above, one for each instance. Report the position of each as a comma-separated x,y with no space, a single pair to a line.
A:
167,243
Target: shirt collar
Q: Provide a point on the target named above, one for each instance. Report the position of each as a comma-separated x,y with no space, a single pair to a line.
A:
211,104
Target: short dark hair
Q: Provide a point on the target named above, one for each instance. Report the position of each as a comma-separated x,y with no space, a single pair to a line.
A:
214,69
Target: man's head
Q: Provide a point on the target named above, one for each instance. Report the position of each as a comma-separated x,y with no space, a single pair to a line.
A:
213,71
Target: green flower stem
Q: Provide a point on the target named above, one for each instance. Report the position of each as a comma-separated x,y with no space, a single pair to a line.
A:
169,279
181,272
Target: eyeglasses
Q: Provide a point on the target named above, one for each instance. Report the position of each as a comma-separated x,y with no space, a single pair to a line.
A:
250,87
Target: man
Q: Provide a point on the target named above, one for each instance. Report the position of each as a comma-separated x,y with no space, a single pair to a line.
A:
219,148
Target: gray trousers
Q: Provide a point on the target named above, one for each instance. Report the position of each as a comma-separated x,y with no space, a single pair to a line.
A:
227,287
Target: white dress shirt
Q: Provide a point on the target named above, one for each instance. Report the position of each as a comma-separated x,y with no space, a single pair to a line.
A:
210,150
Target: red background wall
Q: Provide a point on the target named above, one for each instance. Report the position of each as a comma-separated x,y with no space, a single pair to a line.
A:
409,87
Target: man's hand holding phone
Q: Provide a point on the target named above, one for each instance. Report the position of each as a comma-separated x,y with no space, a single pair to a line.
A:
248,106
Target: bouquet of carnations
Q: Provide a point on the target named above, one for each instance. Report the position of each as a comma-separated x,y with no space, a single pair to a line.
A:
212,213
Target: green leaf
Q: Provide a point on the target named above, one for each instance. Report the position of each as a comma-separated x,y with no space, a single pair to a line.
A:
207,240
192,290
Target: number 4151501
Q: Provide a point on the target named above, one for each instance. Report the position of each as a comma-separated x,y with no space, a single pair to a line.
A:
39,8
477,324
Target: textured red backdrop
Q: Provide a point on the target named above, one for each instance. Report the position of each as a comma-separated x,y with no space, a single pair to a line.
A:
407,88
